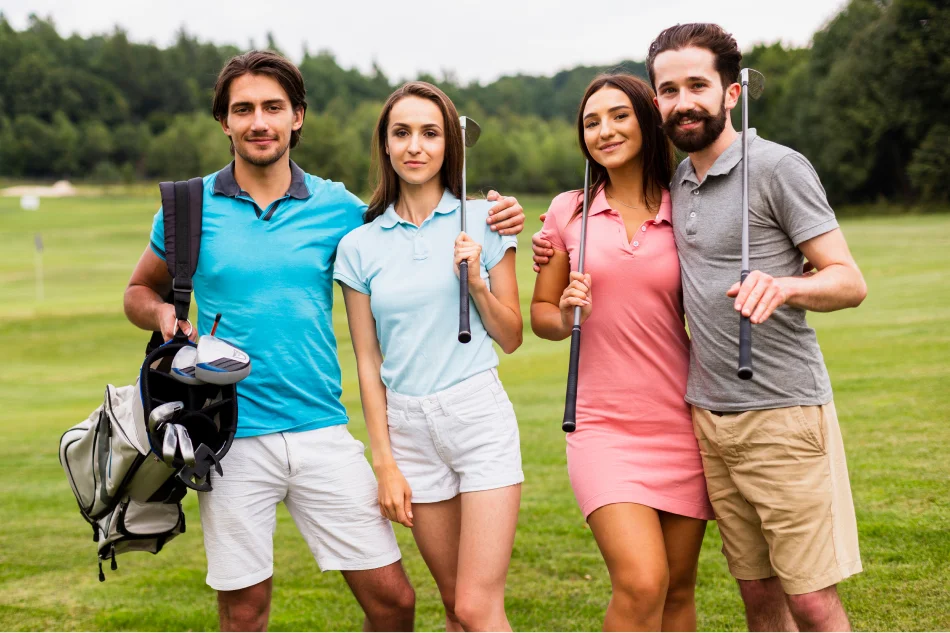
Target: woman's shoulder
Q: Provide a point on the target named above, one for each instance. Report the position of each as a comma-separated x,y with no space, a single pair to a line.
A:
565,203
359,236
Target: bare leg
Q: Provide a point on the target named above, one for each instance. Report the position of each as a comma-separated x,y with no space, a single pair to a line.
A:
765,605
386,597
684,538
245,609
819,611
489,519
437,528
631,541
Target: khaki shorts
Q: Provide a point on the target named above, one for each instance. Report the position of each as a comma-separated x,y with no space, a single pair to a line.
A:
778,483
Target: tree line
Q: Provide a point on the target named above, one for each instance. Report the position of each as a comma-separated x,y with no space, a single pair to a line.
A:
867,102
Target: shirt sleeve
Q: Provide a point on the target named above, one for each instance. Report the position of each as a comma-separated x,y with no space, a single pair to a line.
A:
551,230
347,268
799,201
157,239
355,210
495,247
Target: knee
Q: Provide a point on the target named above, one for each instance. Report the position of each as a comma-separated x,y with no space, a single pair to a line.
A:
476,611
643,593
812,607
397,603
760,592
246,612
680,595
448,601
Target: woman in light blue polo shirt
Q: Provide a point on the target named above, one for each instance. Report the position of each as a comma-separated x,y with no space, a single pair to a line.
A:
442,430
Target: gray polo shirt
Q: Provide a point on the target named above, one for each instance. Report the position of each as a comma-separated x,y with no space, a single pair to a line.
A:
787,206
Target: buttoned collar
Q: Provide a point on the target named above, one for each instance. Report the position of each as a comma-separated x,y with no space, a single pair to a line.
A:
599,204
447,204
226,185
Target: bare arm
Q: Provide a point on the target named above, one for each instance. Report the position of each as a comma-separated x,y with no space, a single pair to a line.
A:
394,492
557,291
143,302
499,308
837,284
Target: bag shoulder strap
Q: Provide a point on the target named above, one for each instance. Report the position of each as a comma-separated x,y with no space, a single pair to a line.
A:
181,213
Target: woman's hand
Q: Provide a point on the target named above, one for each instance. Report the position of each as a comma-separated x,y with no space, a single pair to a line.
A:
467,249
395,495
576,294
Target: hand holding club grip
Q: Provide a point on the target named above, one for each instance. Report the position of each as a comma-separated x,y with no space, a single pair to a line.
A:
745,340
570,401
465,328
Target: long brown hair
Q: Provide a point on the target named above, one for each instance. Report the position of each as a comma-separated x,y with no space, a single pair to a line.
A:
386,190
656,150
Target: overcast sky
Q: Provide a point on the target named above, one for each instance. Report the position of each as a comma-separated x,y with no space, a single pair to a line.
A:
475,40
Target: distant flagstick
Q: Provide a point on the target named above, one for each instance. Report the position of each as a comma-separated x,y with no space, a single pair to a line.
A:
38,243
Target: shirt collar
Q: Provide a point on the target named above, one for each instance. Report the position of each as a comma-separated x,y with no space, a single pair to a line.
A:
665,214
726,161
226,185
447,204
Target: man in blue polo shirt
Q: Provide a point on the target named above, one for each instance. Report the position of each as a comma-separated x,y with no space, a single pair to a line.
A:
269,238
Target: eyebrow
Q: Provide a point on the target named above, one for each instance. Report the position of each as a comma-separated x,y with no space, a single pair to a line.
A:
427,126
613,109
688,80
239,104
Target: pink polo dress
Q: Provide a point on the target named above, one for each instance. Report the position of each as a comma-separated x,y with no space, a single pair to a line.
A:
634,441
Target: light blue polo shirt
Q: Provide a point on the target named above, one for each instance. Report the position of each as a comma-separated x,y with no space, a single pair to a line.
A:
269,273
408,272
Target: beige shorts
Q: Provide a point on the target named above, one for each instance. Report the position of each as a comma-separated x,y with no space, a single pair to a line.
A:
778,483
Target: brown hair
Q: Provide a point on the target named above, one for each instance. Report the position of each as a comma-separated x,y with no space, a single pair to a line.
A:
386,191
656,150
711,37
266,63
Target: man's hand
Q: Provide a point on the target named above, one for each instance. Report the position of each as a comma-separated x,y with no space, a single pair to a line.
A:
506,216
170,324
760,295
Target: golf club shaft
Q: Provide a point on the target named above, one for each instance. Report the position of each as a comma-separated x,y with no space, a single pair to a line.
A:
745,325
570,401
465,328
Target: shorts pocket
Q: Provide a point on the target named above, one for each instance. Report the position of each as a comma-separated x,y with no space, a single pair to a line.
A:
810,421
395,418
479,407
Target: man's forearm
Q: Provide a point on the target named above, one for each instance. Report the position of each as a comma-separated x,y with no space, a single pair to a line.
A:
143,307
833,288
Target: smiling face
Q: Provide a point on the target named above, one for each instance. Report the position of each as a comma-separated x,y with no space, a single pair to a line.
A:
260,119
611,130
693,103
415,139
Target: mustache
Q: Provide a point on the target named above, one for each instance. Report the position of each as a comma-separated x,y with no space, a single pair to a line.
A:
696,115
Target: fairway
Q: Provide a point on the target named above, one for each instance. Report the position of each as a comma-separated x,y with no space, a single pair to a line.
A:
889,362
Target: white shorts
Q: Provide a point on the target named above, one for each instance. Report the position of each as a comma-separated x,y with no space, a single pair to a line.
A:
329,488
462,439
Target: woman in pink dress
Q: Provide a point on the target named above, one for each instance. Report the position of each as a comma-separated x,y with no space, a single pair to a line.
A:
633,461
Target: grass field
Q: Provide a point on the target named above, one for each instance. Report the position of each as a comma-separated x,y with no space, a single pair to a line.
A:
889,362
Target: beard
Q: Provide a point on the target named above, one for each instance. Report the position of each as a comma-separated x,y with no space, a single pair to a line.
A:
702,137
265,160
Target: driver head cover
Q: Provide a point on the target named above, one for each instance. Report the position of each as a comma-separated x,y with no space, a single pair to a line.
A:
219,362
183,366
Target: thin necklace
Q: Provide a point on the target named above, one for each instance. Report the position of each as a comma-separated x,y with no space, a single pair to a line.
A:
629,206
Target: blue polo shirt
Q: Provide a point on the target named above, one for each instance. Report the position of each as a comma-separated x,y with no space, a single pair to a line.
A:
408,272
269,273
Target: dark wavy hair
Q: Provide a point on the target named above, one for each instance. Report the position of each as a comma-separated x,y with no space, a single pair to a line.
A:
656,150
712,37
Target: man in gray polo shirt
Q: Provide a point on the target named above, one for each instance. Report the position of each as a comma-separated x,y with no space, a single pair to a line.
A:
771,446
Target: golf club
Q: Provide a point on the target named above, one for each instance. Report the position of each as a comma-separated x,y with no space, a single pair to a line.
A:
753,83
185,445
570,401
162,414
169,445
183,366
470,133
218,362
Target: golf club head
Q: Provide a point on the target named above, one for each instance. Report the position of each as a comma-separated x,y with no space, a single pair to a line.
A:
753,81
183,366
169,445
472,130
184,445
220,363
162,414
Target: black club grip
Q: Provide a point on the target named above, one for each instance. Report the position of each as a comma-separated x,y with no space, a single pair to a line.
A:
745,340
570,401
465,328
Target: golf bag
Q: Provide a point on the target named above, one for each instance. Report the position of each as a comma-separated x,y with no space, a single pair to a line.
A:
125,490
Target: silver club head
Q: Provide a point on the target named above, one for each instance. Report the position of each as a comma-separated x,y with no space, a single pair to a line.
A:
219,362
753,81
183,366
169,445
471,130
162,414
185,445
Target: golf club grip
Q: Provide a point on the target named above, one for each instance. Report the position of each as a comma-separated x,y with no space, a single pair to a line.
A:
570,401
465,328
745,340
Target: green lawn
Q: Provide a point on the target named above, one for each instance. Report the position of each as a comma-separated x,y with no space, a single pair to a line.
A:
888,361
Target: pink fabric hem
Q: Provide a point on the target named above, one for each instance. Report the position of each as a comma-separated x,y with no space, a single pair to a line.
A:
649,499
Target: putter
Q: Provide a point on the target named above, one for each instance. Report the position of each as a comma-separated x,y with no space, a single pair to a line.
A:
169,445
218,362
570,401
185,445
162,413
183,366
753,83
470,133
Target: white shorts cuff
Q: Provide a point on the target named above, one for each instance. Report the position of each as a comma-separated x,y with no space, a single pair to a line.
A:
479,486
434,496
248,580
336,564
